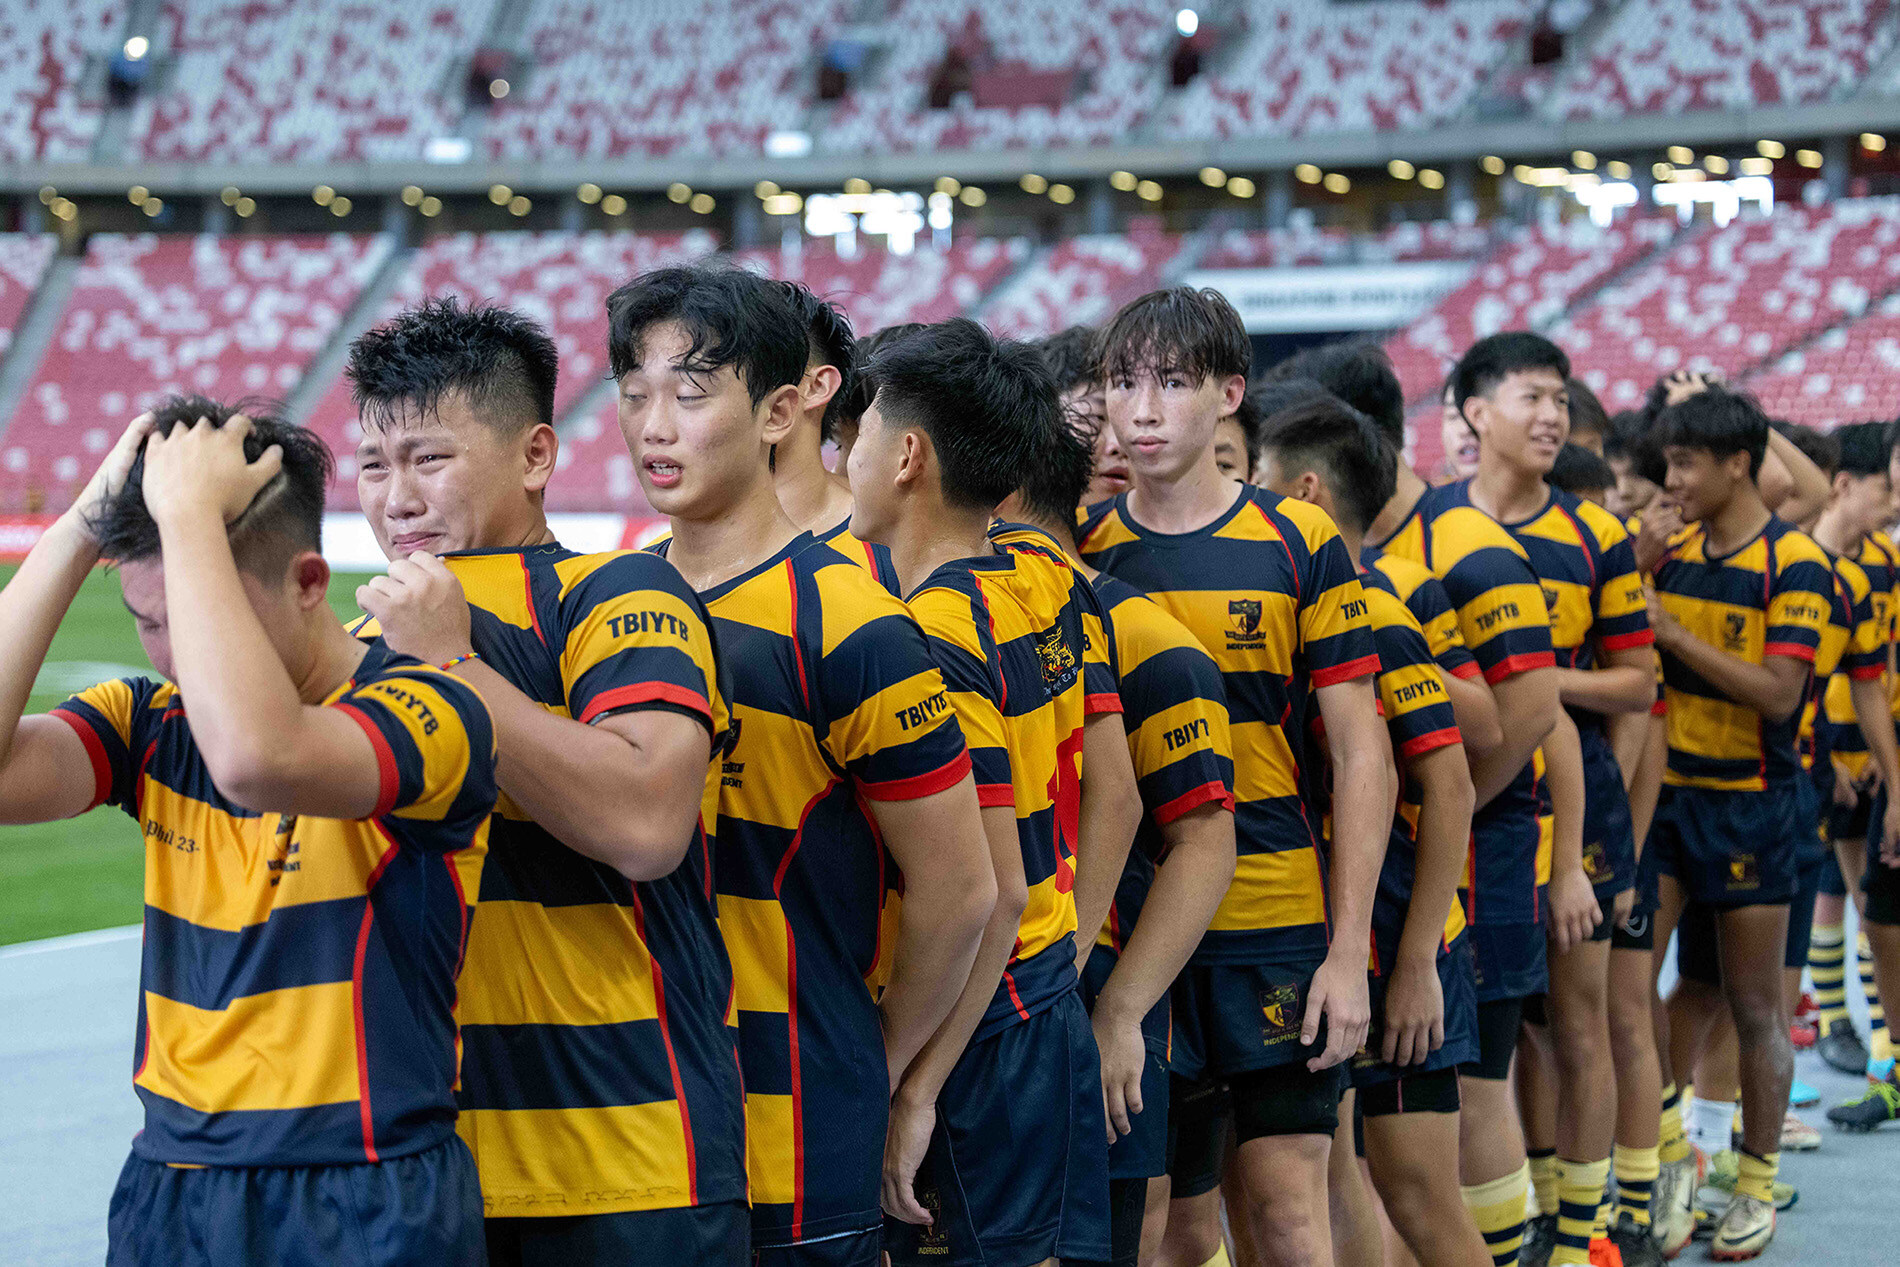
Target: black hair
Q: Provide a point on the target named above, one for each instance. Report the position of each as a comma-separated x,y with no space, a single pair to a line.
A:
1248,417
1054,484
1864,447
1072,358
502,363
860,390
1717,420
1587,414
1496,357
829,340
1579,471
730,316
1193,332
1277,394
989,406
282,521
1345,447
1359,373
1632,437
1816,445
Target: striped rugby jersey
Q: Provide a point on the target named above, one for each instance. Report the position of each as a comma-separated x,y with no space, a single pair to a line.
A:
1505,623
600,1074
1772,596
835,702
1852,647
875,558
1006,631
1270,592
1419,718
1424,596
297,994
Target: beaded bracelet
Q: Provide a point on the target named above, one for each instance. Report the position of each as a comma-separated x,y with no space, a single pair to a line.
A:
461,659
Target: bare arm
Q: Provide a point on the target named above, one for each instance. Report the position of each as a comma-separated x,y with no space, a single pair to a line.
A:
1806,485
1574,913
1111,811
1774,687
1477,712
942,848
1629,737
1625,682
1870,700
1527,709
1415,1003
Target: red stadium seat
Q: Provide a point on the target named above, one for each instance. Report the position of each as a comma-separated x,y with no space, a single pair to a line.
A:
1848,374
23,261
1082,281
43,49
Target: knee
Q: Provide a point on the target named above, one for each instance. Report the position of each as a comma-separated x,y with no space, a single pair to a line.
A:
1757,1016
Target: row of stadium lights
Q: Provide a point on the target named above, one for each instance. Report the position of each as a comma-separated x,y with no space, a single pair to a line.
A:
1678,165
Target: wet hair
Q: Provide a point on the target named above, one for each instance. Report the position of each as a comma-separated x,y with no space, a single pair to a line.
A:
1072,358
283,520
501,363
1719,421
1347,449
859,392
1247,417
1193,332
1053,486
989,406
1579,471
1863,447
829,340
1632,438
1587,415
1496,357
731,318
1276,395
1359,373
1816,445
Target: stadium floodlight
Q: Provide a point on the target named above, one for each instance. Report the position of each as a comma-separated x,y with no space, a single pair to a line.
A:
1124,181
1148,191
1033,184
857,185
1336,183
1307,174
340,206
948,186
323,195
972,196
229,195
1187,22
500,194
1061,195
48,193
245,207
1723,197
411,195
1757,166
136,48
447,149
1213,177
1399,169
498,88
943,210
1771,149
65,208
702,204
765,189
1873,142
1492,164
783,205
679,191
1431,178
136,195
1715,164
788,143
519,205
1808,158
1584,160
1604,198
152,206
1618,169
614,205
1240,186
588,193
1662,171
430,206
1681,155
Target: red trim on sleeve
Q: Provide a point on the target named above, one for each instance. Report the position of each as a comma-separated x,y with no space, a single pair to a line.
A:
1793,650
1364,666
995,796
1636,638
1108,702
645,693
389,778
1215,792
918,786
96,750
1418,745
1467,669
1867,672
1659,709
1515,664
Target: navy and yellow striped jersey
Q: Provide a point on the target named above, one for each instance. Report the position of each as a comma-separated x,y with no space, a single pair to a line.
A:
1270,592
1006,630
1424,596
1175,711
1771,597
1419,718
1879,558
1501,613
297,994
835,702
600,1072
1852,647
876,559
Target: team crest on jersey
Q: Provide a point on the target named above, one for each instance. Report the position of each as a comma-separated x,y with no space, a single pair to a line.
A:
1058,662
1732,629
731,773
1279,1014
1245,632
1550,598
1743,873
1596,864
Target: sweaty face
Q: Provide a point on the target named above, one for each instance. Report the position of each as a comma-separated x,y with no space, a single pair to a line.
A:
1461,445
695,437
142,584
1524,419
445,481
1230,449
1088,405
1699,483
1164,419
872,469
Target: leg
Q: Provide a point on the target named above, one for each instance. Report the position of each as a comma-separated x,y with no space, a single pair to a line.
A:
1493,1172
1354,1221
1537,1108
1191,1233
1238,1208
1586,1091
1406,1153
1154,1221
1753,940
1638,1082
1285,1179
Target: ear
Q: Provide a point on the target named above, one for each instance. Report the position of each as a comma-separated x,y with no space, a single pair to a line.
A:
1233,390
1473,412
309,577
917,454
540,447
780,412
820,385
1841,481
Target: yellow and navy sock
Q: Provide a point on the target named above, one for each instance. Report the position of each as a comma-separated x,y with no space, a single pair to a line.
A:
1498,1210
1879,1045
1606,1210
1827,952
1543,1162
1636,1171
1579,1190
1755,1176
1675,1140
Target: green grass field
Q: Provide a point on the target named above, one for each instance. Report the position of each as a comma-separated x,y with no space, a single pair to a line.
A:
87,872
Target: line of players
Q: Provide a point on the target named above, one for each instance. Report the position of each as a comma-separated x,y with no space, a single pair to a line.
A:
768,949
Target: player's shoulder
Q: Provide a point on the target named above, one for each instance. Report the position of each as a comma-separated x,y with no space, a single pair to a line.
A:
422,691
1459,529
1853,575
1104,525
1794,547
595,577
1292,517
1385,609
1601,524
1404,576
1138,621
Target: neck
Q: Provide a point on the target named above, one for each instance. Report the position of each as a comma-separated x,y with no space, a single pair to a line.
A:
1833,531
931,536
1508,493
1354,539
333,661
1410,489
1733,525
812,497
1191,500
1064,535
752,529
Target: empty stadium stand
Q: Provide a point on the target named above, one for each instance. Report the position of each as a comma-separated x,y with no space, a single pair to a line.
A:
44,44
1846,375
1081,281
23,260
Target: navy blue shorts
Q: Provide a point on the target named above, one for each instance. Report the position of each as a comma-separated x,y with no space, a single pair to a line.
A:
1609,840
1698,953
1510,961
420,1210
1833,883
1459,986
1729,848
1235,1018
719,1234
847,1249
1880,882
1143,1152
1017,1169
1810,811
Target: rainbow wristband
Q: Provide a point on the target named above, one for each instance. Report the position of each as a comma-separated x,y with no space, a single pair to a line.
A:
461,659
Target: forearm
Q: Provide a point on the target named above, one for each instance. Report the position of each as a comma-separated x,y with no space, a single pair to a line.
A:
1646,787
1109,814
1527,709
31,607
1629,736
1870,700
1745,682
1444,830
1563,770
939,935
1613,690
925,1076
1362,826
1181,902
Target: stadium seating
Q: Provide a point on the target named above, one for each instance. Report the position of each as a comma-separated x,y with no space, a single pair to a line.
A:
1306,68
299,80
149,315
1679,55
685,78
1728,299
1846,375
1283,248
43,50
23,261
1081,281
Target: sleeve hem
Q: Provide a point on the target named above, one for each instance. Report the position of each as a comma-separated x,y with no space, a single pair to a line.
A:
95,751
621,698
389,779
1510,666
1636,638
1867,672
1793,650
1467,669
918,786
995,796
1419,745
1214,793
1106,702
1333,675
